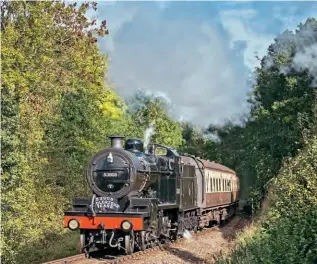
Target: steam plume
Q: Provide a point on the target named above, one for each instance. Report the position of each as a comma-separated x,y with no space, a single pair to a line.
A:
148,133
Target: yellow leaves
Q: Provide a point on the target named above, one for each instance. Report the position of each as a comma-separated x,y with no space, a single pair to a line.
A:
277,105
110,105
88,145
55,111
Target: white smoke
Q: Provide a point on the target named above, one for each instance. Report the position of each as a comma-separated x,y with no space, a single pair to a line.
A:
187,62
305,58
148,133
187,235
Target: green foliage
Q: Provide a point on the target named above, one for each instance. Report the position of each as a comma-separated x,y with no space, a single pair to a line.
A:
283,113
146,110
281,130
55,112
288,234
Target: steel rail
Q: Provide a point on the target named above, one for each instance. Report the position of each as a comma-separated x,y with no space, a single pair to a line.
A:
124,258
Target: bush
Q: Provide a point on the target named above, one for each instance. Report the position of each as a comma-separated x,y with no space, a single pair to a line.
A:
289,232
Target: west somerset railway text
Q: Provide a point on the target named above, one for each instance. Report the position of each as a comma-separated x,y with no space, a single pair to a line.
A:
144,198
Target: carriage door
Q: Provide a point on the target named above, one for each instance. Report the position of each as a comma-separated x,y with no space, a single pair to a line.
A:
188,188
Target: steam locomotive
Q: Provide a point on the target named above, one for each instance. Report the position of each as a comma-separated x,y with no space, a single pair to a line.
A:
143,197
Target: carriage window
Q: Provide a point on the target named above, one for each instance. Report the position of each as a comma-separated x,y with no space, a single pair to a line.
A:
209,187
212,185
208,183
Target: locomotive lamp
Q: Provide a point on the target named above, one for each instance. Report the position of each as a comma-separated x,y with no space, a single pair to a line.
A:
73,224
126,225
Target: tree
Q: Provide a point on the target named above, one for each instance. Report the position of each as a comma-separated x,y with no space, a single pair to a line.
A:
55,112
146,110
282,114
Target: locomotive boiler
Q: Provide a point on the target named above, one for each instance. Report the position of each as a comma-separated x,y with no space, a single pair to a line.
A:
142,197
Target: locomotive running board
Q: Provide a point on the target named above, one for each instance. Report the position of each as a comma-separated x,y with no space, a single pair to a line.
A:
110,214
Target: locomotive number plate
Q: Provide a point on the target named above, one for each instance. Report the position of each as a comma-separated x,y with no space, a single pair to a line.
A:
106,203
110,174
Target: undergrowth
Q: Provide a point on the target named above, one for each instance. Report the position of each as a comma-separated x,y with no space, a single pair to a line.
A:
287,233
54,247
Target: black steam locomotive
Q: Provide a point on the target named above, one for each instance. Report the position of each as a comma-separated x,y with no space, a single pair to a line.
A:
143,197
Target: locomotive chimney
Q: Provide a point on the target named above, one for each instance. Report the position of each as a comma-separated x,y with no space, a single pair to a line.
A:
116,141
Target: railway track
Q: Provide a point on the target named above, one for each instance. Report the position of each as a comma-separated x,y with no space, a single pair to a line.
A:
234,223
